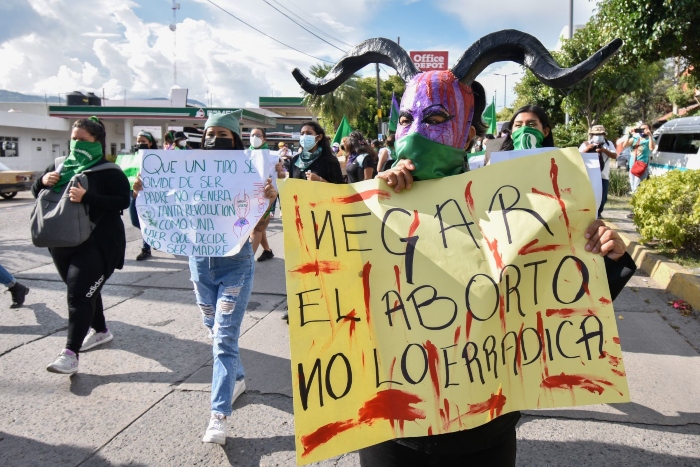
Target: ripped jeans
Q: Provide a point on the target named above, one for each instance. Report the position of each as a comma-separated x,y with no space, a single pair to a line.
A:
222,286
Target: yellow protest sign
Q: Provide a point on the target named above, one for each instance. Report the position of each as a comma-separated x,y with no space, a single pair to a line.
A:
440,308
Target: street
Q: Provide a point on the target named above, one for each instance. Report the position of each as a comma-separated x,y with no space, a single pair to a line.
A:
143,399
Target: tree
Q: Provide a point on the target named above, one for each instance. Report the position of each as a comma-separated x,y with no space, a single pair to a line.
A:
594,98
346,100
505,114
531,91
366,120
650,102
654,29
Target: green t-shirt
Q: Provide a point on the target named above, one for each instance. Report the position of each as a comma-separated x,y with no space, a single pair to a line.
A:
640,149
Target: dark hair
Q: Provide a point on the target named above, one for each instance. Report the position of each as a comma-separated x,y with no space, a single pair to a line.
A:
261,129
479,107
324,142
96,128
390,141
360,147
152,143
544,120
168,138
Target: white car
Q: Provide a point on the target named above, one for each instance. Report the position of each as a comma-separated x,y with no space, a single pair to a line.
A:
678,147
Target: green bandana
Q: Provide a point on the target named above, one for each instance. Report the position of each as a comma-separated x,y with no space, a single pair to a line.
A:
432,160
264,146
83,155
527,138
305,159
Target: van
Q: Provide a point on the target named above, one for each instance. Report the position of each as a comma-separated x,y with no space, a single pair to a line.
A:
678,146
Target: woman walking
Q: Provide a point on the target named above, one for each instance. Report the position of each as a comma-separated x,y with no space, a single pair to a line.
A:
144,140
85,268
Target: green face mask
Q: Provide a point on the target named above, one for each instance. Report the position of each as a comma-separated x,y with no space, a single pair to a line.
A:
83,155
432,160
527,138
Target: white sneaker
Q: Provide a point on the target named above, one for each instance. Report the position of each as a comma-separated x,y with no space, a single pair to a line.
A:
238,389
66,363
94,338
216,431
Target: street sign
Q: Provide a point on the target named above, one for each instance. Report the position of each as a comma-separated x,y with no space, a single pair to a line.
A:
430,60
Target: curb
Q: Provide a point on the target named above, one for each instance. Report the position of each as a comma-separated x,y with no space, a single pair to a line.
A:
674,278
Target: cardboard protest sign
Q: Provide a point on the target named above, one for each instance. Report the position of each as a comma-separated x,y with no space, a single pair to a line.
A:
201,203
440,308
130,165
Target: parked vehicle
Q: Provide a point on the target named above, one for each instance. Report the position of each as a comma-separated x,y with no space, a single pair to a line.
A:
623,162
14,181
678,146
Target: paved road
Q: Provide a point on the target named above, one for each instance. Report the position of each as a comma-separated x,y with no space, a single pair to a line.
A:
143,399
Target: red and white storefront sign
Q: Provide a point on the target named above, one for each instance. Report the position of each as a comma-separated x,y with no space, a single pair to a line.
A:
430,60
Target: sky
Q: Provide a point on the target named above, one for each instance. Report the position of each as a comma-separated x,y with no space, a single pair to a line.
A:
112,47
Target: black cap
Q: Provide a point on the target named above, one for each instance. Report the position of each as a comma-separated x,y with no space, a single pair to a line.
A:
179,135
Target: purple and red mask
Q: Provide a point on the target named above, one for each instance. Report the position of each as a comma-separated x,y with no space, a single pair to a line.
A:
439,95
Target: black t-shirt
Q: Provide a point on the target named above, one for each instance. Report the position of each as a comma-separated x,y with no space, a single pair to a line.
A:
356,170
326,166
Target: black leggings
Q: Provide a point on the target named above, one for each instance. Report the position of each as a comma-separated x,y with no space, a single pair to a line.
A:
83,270
392,454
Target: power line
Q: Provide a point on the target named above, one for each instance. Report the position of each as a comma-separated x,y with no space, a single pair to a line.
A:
311,25
266,35
302,26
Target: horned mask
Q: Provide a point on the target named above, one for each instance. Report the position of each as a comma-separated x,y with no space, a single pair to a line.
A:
454,94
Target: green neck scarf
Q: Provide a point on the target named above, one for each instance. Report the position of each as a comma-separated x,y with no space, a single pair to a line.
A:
432,160
83,155
264,146
307,158
527,138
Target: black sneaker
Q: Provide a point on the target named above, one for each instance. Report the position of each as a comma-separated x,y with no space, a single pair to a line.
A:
18,292
266,254
145,254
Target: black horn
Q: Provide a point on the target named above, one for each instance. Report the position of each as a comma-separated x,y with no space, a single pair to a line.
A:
522,48
378,50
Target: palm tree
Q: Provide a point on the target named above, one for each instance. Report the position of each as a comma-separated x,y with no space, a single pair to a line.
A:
346,100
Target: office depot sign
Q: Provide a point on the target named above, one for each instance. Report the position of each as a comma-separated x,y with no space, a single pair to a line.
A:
427,61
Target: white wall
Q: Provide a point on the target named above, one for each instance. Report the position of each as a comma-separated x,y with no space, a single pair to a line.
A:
37,154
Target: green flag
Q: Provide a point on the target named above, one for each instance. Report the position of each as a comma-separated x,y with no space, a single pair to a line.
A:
131,165
489,117
393,114
343,130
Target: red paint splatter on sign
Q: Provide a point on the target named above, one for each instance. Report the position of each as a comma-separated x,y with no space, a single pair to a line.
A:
397,273
554,175
349,317
616,340
457,331
362,196
604,301
618,372
494,405
567,312
317,267
365,285
393,405
564,381
414,224
324,434
433,364
531,248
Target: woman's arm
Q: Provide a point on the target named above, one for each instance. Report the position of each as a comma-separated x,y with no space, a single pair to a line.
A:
39,183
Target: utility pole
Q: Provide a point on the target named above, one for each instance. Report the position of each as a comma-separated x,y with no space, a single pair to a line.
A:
173,28
571,35
505,84
379,105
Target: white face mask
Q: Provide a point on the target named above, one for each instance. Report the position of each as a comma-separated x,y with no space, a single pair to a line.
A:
182,143
597,139
256,141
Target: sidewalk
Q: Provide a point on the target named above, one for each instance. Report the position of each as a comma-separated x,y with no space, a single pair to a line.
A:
143,399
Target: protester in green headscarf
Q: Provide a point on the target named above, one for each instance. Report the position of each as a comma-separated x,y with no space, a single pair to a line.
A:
531,129
85,268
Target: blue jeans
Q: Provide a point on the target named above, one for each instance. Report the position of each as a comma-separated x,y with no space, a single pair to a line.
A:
6,278
135,221
223,286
